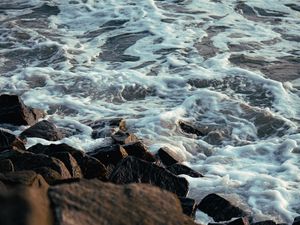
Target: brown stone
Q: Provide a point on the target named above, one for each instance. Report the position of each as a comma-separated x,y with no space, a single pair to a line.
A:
9,141
122,138
106,203
166,156
134,170
179,169
13,111
43,129
139,150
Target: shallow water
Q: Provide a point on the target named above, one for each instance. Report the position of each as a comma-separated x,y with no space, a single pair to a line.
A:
230,68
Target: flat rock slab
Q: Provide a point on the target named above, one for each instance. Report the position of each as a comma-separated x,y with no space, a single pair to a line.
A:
13,111
106,203
134,170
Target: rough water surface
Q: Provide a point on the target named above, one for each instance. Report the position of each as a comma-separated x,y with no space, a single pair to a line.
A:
230,69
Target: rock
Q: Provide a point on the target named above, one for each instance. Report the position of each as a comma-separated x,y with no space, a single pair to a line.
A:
13,111
39,163
28,204
122,138
110,154
189,206
90,166
9,141
134,170
139,150
70,163
166,156
43,129
6,165
106,203
266,222
297,221
190,128
239,221
105,127
219,208
178,169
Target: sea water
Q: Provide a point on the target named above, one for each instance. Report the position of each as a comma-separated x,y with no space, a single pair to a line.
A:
231,67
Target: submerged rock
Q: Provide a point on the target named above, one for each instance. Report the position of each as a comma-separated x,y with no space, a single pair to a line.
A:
219,208
13,111
134,170
43,129
106,203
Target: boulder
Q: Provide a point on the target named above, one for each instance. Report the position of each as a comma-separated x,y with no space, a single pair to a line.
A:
13,111
139,150
166,157
189,128
27,178
189,206
179,169
90,166
239,221
106,203
9,141
6,165
122,138
219,208
112,154
134,170
43,129
297,221
265,222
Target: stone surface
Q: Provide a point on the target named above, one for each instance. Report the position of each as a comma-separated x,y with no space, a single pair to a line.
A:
178,169
189,206
106,203
296,220
139,150
166,157
9,141
265,222
13,111
134,170
112,154
219,208
43,129
6,165
122,138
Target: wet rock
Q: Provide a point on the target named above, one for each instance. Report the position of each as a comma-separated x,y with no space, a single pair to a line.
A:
90,166
26,205
294,6
106,203
239,221
178,169
6,165
22,178
296,220
136,92
39,163
70,163
266,222
139,150
219,208
189,206
43,11
109,155
166,157
114,47
106,127
45,130
190,128
122,138
9,141
13,111
134,170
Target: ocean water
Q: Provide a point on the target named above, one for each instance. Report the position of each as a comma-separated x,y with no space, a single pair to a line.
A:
230,68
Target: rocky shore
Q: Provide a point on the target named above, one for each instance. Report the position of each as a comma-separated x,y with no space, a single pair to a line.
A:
122,183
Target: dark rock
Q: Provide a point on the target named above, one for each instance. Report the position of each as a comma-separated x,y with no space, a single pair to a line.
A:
190,128
166,156
296,220
178,169
239,221
139,150
22,178
6,165
265,222
37,162
294,7
13,111
105,127
9,141
189,206
134,170
90,166
27,204
219,208
95,202
43,129
122,138
110,154
70,163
